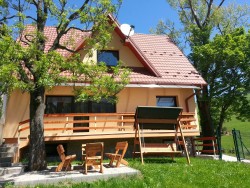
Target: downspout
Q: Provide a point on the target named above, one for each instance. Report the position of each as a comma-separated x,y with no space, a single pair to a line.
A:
186,101
4,99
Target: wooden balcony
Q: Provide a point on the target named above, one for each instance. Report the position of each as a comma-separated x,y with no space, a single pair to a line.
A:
85,126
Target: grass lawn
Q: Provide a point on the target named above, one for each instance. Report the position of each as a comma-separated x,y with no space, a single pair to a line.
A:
163,172
227,140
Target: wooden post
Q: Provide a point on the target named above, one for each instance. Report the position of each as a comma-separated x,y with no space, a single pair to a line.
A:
184,143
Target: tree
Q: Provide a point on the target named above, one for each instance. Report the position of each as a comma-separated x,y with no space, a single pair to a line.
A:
201,19
227,59
27,66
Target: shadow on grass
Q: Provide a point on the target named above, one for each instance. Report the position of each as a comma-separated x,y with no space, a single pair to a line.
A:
158,160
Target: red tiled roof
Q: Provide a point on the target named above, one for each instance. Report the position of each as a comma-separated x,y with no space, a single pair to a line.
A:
164,63
164,56
71,40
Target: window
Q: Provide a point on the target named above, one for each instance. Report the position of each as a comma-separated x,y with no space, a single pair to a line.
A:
102,107
59,104
166,101
109,57
67,104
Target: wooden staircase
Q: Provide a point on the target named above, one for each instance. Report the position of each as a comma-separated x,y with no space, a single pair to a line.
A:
8,154
9,165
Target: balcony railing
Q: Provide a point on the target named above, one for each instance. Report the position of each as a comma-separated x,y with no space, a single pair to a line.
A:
70,125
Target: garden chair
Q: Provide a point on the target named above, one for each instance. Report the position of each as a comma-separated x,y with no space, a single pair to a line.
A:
93,156
66,160
117,157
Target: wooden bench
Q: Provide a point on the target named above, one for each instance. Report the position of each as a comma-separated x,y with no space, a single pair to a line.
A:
158,118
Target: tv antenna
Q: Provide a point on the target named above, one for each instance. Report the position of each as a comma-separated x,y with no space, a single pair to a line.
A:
127,30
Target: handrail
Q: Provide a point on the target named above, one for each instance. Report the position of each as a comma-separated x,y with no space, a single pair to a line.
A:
82,115
81,121
185,117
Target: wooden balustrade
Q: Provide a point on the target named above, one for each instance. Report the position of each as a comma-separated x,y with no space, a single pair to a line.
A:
121,119
116,123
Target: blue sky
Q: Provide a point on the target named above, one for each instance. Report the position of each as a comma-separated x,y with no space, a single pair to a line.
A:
145,14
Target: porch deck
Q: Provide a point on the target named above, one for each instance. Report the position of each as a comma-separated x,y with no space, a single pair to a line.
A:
87,126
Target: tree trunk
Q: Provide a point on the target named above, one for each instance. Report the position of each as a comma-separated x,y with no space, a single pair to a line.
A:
207,127
37,155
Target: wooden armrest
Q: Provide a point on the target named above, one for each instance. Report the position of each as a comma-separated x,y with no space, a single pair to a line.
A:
70,157
112,154
94,157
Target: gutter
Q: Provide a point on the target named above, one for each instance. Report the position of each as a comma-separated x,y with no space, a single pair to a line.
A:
138,86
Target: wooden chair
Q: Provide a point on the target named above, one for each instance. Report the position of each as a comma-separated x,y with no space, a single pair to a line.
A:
66,160
120,150
93,156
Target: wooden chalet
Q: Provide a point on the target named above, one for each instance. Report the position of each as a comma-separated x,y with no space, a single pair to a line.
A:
161,76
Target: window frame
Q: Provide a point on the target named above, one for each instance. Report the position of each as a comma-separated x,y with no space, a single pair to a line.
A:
73,105
173,97
72,102
107,64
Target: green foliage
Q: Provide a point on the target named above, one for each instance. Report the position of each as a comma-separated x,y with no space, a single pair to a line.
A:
226,63
232,16
10,58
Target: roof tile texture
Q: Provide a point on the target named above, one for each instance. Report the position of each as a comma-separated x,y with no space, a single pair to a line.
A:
159,50
166,58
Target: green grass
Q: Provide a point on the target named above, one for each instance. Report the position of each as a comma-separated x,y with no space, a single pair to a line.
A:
163,172
227,140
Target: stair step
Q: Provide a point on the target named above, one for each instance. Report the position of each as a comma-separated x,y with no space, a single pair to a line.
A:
4,149
6,154
5,164
6,159
8,149
11,170
10,145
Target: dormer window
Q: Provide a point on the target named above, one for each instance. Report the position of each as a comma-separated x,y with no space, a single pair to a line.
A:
109,57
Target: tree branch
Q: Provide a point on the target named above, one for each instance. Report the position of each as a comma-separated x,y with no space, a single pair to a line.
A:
7,18
209,6
30,17
62,26
59,46
221,3
194,14
184,12
34,3
76,28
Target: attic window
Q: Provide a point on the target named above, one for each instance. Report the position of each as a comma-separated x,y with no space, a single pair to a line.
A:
167,101
109,57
